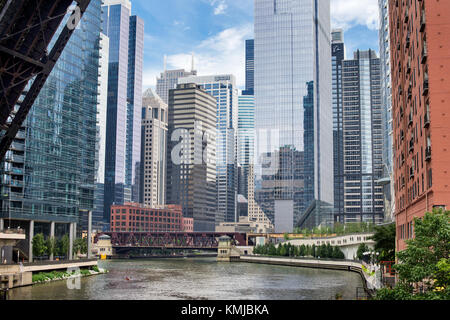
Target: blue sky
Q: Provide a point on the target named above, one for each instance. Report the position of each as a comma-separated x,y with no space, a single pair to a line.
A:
215,31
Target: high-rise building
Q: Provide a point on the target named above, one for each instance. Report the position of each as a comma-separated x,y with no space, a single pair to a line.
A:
49,174
223,88
134,105
337,56
363,138
386,100
293,121
154,150
100,148
421,91
246,139
191,154
169,80
123,125
249,68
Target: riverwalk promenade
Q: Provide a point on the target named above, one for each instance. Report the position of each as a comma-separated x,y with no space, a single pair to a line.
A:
369,280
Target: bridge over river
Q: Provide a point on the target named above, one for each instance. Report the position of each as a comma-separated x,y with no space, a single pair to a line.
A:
172,240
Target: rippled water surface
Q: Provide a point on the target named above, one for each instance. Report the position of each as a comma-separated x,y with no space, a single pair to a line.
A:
200,278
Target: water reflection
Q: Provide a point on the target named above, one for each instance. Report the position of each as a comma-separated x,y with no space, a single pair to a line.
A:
199,279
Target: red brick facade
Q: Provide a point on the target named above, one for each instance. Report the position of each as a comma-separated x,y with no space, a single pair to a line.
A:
420,59
136,217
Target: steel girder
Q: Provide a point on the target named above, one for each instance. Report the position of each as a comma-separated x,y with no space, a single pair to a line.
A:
174,240
27,28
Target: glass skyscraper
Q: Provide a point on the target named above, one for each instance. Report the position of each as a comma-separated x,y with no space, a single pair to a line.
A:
49,173
363,138
223,88
294,127
246,139
249,68
123,125
337,56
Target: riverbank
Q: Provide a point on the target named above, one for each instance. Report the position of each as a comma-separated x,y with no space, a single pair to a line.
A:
342,265
44,277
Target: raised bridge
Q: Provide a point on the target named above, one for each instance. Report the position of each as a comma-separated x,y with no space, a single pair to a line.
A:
27,28
172,240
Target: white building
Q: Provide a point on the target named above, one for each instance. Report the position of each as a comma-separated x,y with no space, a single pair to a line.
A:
154,149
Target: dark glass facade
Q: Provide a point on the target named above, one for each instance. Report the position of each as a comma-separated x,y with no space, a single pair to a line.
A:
123,125
337,56
249,68
293,117
49,173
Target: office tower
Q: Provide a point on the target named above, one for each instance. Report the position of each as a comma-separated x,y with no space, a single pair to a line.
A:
191,154
337,56
134,105
249,68
223,88
420,91
48,177
169,80
363,138
154,149
123,127
100,143
293,90
246,138
386,100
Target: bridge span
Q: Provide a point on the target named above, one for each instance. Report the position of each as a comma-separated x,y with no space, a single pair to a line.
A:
172,240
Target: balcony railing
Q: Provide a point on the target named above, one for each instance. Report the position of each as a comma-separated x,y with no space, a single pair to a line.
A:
426,120
410,119
422,21
428,154
424,53
425,87
411,145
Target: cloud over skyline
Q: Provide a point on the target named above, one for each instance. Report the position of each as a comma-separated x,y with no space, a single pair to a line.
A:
218,39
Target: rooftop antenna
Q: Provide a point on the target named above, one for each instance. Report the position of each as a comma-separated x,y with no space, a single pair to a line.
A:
165,63
192,63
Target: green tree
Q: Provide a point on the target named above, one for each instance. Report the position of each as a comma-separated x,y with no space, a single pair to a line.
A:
384,238
425,262
63,246
337,253
271,250
361,249
50,243
39,247
338,228
80,246
286,236
302,250
431,244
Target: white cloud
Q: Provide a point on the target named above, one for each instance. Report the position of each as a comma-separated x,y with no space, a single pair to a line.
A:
220,6
223,53
349,13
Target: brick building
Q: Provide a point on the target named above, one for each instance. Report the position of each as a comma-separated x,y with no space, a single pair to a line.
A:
137,217
420,60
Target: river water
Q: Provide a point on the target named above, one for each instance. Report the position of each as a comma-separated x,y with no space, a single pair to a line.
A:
198,279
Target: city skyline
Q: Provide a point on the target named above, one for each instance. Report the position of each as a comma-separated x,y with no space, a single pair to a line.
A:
174,28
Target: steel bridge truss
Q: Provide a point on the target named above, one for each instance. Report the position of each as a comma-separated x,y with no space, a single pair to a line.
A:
174,240
27,28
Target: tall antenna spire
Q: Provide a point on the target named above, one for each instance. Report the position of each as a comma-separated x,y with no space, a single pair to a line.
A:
165,63
192,63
